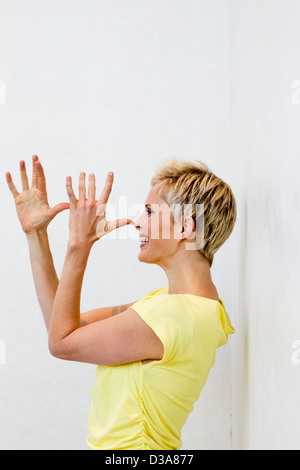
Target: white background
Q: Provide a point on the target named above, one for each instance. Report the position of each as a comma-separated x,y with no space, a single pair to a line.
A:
265,122
101,85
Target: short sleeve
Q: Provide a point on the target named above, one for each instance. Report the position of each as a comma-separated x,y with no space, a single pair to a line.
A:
157,313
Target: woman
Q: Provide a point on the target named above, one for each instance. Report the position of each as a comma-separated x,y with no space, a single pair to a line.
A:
155,354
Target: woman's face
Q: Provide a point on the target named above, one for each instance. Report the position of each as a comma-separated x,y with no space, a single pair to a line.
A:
156,230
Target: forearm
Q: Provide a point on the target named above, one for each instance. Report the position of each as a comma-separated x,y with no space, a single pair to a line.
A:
43,270
66,307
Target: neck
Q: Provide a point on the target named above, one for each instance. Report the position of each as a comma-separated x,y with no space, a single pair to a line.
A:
188,275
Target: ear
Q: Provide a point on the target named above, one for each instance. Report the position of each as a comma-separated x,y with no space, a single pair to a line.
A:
189,228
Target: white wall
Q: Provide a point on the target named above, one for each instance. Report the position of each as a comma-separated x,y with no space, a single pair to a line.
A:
265,121
96,85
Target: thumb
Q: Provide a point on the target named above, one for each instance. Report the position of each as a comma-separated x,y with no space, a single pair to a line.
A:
118,223
62,206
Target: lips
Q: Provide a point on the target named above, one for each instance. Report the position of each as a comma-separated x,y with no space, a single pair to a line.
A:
144,240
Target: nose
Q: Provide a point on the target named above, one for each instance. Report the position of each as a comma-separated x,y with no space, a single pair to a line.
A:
141,223
136,223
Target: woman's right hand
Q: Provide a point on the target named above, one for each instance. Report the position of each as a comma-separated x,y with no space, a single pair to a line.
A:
32,204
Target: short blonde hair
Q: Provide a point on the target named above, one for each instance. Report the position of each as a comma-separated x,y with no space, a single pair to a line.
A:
183,182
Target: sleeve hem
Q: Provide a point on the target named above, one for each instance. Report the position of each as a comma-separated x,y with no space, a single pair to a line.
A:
153,325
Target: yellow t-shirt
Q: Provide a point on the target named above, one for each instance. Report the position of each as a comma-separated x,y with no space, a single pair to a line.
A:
144,407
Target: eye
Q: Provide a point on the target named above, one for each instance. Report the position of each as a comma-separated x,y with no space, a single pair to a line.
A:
149,211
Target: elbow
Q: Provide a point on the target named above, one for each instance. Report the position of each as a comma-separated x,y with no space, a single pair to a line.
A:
52,348
60,349
55,348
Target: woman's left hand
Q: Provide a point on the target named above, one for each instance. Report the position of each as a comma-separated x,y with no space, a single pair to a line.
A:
87,222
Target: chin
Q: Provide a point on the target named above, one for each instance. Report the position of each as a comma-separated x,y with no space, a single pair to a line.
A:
143,256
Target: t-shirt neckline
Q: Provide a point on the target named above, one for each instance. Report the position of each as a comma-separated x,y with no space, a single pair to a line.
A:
197,296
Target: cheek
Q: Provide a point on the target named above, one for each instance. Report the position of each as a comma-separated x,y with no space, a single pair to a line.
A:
159,229
166,231
153,228
144,223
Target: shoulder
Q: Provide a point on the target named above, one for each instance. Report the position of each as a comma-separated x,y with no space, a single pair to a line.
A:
157,302
156,293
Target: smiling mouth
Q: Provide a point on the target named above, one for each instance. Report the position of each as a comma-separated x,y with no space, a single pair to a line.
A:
144,242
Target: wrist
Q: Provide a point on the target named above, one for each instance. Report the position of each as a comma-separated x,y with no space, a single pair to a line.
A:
79,246
36,234
78,254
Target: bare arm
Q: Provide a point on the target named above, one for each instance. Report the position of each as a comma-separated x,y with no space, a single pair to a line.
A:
98,314
46,282
113,341
43,271
35,214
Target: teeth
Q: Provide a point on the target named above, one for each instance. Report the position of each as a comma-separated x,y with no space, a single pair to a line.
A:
144,240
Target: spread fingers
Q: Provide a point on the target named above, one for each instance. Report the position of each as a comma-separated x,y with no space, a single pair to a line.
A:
24,178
